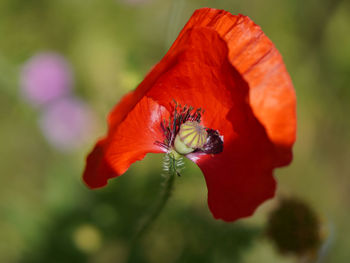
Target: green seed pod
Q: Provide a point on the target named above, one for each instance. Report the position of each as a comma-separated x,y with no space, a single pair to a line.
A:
190,137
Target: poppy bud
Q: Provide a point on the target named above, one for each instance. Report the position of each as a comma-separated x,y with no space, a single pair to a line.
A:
294,227
190,137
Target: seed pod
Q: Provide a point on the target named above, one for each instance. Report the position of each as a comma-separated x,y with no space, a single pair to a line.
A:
190,137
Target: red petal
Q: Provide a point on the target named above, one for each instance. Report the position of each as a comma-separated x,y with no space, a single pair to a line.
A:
97,170
240,178
271,93
130,139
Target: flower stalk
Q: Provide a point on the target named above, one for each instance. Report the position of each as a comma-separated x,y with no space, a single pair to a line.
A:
172,165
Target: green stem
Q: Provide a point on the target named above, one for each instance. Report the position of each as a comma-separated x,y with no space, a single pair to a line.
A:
158,208
168,186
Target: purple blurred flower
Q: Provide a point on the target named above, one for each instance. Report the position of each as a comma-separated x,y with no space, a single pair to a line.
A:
45,77
67,123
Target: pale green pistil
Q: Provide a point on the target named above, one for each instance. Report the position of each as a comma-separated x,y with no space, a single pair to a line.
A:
190,137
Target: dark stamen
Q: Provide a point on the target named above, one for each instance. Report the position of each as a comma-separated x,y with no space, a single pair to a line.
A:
181,114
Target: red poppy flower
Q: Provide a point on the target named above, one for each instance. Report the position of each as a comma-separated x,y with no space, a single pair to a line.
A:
225,65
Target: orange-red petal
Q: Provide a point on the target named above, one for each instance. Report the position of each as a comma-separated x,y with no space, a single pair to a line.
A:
97,170
128,140
253,55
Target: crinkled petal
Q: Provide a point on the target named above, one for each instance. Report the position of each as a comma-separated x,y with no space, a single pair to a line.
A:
129,140
241,177
97,170
251,52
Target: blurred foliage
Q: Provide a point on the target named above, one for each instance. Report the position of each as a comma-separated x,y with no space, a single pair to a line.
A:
48,215
100,225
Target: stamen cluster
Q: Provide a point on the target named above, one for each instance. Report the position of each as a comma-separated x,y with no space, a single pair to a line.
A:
181,115
184,133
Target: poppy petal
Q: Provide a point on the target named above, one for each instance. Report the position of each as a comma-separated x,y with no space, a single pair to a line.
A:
251,52
97,170
237,190
129,140
241,177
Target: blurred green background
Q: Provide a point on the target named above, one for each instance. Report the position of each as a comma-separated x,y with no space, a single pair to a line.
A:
48,215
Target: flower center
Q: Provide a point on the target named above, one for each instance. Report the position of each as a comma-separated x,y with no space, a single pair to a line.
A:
184,133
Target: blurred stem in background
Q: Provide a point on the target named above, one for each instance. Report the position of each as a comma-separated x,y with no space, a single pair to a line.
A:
314,33
175,12
8,74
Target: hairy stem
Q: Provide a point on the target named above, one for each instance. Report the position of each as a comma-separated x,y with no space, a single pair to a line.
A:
147,222
158,208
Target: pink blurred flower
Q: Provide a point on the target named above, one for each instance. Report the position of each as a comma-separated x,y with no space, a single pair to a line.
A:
67,123
45,77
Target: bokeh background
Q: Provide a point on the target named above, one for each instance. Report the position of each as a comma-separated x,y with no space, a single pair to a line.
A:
65,63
